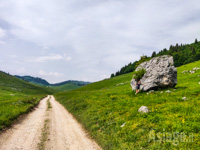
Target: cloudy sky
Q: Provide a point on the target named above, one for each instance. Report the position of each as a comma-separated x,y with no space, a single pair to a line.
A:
88,40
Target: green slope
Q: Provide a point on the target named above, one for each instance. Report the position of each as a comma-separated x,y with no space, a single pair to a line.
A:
17,97
59,87
108,110
66,87
35,80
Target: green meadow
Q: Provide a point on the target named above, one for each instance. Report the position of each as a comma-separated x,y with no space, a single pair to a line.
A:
65,87
108,110
17,97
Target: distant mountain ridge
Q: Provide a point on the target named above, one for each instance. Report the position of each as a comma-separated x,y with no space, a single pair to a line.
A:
40,81
79,83
12,84
35,80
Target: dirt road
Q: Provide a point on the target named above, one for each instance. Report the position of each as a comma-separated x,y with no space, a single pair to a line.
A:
47,128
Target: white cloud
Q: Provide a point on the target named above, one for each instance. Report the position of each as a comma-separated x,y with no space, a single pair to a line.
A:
95,37
43,73
2,33
21,70
104,76
13,56
2,42
51,58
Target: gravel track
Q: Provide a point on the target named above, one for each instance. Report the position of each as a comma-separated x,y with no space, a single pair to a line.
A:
64,132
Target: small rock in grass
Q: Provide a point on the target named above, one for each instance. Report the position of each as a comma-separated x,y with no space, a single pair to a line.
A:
143,109
185,71
168,91
161,91
196,68
151,91
123,125
199,82
119,84
192,72
184,98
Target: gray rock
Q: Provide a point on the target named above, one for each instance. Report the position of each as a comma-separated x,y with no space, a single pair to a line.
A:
151,91
196,68
168,91
192,71
160,73
184,98
185,71
143,109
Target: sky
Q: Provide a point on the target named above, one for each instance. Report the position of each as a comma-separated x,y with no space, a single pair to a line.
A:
87,40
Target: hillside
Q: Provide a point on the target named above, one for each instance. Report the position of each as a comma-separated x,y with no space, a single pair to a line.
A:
11,83
62,86
108,110
65,87
34,80
17,97
68,85
79,83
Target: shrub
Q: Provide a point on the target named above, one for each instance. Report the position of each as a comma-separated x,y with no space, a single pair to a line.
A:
137,75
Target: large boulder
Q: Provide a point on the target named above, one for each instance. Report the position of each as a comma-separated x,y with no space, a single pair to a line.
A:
160,73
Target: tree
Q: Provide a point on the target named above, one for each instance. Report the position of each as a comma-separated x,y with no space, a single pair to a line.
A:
196,41
197,56
142,59
117,73
153,54
112,75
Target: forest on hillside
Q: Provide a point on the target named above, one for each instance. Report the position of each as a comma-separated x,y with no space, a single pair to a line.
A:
182,54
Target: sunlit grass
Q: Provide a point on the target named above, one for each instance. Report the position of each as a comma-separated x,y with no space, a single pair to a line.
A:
103,108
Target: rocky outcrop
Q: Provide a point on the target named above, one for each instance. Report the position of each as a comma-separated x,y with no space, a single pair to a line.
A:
160,73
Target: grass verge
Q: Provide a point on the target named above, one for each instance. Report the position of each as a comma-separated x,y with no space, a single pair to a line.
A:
11,109
17,97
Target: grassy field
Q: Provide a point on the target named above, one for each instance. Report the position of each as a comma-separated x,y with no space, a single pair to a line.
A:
108,110
65,87
17,97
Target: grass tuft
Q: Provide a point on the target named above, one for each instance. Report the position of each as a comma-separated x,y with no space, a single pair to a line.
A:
44,136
